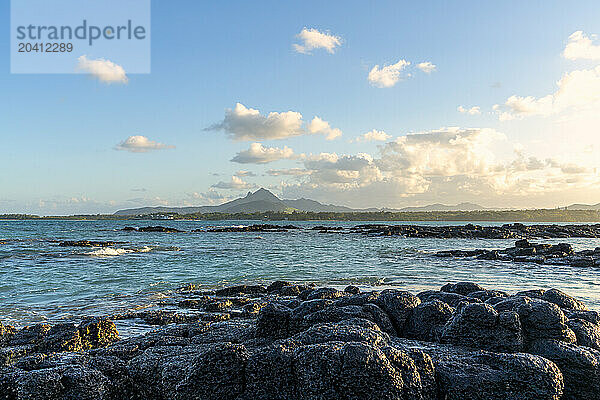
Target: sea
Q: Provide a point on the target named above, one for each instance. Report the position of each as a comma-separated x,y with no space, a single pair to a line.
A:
41,281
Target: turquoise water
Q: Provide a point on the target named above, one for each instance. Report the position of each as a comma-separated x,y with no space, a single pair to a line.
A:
40,280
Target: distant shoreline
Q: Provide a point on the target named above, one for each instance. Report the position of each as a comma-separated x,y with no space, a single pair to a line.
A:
540,215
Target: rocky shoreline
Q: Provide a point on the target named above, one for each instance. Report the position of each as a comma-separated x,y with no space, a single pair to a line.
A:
468,231
294,341
540,253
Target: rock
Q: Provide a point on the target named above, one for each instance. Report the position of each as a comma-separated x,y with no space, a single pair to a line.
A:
218,305
463,288
590,316
484,295
277,285
452,299
480,326
563,300
324,293
274,321
580,367
587,334
533,293
72,382
97,332
539,319
241,289
480,375
427,320
350,289
523,243
6,333
162,229
218,373
398,305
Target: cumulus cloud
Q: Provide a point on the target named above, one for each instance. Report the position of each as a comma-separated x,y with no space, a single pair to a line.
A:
388,75
581,46
104,70
235,184
141,144
241,174
317,125
453,164
259,154
427,67
373,136
242,123
577,91
475,110
209,197
314,39
289,171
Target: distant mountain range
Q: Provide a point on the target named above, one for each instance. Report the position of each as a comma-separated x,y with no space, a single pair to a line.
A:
263,200
593,207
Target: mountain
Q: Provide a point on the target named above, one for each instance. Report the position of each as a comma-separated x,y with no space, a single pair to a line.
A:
443,207
260,201
263,200
594,207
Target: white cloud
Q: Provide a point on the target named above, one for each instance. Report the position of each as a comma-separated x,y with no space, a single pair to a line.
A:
317,125
235,184
373,136
104,70
290,172
427,67
313,39
141,144
388,75
244,123
241,174
581,46
578,90
209,197
475,110
259,154
448,165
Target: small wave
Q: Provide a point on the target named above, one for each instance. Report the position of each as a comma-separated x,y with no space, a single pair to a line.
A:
109,252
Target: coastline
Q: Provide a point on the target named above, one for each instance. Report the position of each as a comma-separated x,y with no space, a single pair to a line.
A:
288,340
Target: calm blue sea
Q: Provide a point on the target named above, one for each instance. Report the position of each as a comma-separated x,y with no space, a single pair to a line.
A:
41,281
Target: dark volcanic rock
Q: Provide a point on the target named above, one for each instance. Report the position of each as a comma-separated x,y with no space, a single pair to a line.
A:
563,300
427,320
539,319
580,367
398,305
97,332
587,334
481,375
463,288
163,229
480,326
283,342
452,299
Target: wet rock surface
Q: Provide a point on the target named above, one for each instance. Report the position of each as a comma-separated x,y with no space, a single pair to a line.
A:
539,253
291,341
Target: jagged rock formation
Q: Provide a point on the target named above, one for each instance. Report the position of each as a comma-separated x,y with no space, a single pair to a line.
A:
300,342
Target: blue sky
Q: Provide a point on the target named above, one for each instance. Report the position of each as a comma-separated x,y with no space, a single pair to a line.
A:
61,132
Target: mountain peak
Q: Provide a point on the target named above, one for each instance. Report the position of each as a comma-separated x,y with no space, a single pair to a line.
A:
262,194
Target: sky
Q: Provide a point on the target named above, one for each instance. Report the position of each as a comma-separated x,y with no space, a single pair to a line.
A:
364,104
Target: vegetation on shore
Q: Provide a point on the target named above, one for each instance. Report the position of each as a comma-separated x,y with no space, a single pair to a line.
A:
540,215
